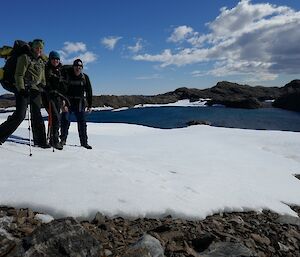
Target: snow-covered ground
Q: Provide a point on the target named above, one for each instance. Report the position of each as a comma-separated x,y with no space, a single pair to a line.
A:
140,171
180,103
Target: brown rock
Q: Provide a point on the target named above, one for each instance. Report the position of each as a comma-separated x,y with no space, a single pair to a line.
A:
261,239
6,245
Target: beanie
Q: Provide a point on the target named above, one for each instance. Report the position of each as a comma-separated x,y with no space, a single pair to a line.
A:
78,62
54,55
38,43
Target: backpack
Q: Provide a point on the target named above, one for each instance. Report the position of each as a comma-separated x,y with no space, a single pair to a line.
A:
8,81
66,70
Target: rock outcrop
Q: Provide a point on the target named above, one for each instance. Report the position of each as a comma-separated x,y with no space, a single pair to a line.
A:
225,234
224,92
290,98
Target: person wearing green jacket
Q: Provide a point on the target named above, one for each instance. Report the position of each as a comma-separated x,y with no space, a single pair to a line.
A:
30,80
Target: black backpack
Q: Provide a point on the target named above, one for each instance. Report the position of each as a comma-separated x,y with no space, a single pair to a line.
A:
65,72
8,82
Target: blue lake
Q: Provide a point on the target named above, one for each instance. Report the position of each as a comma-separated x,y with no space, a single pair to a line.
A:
177,117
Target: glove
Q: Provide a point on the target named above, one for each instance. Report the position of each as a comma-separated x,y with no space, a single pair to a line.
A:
88,110
24,92
53,94
34,92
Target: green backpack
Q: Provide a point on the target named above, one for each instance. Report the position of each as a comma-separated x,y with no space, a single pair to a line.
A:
11,55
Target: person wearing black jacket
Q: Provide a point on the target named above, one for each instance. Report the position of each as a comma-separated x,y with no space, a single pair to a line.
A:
52,97
77,87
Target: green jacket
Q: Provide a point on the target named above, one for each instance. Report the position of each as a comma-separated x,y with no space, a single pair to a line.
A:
30,71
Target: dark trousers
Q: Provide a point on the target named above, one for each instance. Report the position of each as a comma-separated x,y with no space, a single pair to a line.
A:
14,120
53,105
78,108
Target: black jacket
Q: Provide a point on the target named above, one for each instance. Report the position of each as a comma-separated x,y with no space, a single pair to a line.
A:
54,78
78,86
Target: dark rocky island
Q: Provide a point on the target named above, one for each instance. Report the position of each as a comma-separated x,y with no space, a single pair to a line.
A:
226,93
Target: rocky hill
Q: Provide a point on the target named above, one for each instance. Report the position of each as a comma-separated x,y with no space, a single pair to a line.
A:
225,93
290,98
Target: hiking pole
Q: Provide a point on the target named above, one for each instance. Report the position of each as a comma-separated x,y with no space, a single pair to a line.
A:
29,123
50,126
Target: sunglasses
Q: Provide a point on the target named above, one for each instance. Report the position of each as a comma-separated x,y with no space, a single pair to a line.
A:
56,59
79,66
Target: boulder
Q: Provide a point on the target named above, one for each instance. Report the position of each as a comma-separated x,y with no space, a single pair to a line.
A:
61,237
287,219
147,246
228,249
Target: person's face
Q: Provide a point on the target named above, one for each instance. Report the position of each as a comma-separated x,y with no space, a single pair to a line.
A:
77,69
38,51
55,62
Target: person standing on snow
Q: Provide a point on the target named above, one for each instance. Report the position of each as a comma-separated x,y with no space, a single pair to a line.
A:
77,86
52,99
30,81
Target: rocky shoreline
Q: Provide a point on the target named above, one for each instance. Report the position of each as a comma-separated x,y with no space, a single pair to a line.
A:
226,93
24,232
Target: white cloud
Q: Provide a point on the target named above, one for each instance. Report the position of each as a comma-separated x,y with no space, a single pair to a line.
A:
180,33
184,57
110,42
74,47
76,50
198,73
86,57
137,47
250,39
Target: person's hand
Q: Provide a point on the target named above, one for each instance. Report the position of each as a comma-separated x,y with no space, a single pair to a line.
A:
34,92
64,106
23,92
88,110
52,94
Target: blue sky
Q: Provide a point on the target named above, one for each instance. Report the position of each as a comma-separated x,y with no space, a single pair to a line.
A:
150,47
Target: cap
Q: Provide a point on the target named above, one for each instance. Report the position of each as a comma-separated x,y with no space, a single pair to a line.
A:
54,55
37,43
78,62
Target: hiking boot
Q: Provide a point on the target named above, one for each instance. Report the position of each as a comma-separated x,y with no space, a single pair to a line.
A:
87,146
58,146
63,142
44,146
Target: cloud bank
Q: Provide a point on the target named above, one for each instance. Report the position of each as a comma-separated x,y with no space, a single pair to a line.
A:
258,40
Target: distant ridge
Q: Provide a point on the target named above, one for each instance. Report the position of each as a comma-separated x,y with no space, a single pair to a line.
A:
226,93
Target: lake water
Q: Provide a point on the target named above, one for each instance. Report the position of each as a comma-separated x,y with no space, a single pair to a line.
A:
177,117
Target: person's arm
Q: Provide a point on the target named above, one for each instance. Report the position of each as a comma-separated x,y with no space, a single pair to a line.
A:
21,68
63,81
43,78
89,91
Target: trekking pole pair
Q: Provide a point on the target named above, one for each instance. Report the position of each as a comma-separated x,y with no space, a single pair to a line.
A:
50,126
29,121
